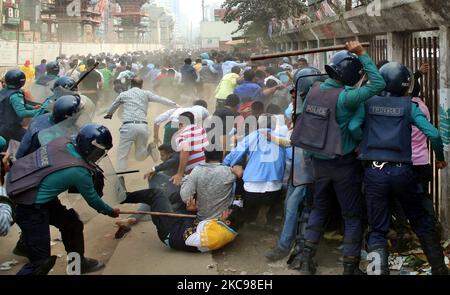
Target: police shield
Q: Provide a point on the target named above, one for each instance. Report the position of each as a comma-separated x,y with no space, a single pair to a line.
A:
301,162
71,125
41,91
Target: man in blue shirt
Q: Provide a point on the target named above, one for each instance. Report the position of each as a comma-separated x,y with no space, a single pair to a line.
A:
263,175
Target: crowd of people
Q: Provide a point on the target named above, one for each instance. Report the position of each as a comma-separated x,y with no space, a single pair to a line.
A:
239,140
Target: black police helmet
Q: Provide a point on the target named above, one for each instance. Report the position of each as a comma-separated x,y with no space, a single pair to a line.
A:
93,141
15,79
305,78
345,67
399,79
64,82
65,106
52,68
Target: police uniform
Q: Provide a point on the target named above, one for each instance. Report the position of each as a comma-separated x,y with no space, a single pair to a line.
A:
387,154
34,183
323,131
12,111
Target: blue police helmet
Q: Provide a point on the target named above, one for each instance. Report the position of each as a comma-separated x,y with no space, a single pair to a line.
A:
52,68
64,82
65,106
305,78
93,141
15,79
345,67
399,79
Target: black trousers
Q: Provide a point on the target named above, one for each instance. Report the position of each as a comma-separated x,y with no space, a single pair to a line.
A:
254,201
35,221
158,202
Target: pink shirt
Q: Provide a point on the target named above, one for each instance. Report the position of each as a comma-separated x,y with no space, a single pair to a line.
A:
420,153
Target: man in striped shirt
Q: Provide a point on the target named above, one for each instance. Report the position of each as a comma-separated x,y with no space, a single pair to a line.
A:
190,141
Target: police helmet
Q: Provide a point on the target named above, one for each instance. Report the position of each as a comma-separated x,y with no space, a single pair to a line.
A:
399,79
93,141
305,78
345,67
52,68
65,106
64,82
15,79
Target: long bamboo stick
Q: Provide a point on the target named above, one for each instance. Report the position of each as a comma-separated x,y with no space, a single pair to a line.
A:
176,215
301,52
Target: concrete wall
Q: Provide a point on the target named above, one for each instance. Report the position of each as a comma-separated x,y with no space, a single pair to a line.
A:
394,16
37,51
213,32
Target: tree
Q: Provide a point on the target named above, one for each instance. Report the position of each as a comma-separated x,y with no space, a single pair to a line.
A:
255,15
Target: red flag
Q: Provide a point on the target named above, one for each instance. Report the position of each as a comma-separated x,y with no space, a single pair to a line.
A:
101,5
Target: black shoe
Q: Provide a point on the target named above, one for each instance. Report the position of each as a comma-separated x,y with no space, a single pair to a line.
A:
308,266
39,268
432,248
351,266
20,249
384,260
276,254
89,265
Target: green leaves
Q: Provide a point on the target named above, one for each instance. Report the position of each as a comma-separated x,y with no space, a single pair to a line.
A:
255,15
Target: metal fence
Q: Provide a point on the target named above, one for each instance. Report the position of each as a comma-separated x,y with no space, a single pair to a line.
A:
378,49
418,50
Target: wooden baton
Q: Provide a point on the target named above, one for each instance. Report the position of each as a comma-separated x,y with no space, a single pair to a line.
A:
301,52
176,215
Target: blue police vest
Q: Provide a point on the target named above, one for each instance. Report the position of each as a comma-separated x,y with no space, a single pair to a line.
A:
32,144
317,130
9,121
387,130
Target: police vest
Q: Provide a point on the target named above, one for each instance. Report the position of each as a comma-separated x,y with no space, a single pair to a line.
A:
38,124
387,130
27,173
316,130
8,117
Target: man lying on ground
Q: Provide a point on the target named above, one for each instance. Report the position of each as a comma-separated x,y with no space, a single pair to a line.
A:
189,234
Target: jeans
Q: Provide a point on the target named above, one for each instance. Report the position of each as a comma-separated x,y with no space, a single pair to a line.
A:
129,134
294,198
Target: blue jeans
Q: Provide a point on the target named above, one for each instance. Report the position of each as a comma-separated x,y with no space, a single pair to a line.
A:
294,198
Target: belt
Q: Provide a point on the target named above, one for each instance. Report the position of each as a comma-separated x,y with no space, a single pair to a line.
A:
381,165
135,122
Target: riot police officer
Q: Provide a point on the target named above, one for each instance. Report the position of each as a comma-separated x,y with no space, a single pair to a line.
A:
322,131
34,183
61,87
13,108
65,107
42,88
386,152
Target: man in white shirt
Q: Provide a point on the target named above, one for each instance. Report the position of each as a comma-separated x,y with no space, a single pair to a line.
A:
199,109
135,127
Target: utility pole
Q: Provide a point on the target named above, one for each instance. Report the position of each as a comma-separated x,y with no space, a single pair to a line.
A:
203,9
